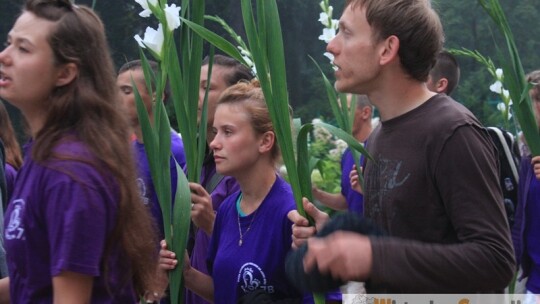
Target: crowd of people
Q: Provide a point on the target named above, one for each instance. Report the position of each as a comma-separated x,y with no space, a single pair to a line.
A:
82,220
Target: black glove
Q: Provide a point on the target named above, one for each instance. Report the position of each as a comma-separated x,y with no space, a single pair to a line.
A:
314,281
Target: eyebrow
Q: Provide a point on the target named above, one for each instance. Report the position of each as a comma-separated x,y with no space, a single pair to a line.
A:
125,86
19,39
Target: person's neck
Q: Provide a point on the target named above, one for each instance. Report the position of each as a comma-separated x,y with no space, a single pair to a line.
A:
255,185
137,130
399,96
364,132
138,134
35,120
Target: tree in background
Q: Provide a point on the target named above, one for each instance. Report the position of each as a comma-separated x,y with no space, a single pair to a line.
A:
465,23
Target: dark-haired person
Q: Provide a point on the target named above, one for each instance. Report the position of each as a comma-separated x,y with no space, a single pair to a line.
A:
444,76
433,185
131,74
75,229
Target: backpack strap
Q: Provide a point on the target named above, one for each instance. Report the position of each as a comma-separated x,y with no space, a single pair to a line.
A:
506,151
213,182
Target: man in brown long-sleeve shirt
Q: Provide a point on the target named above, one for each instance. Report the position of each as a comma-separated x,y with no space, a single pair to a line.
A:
434,183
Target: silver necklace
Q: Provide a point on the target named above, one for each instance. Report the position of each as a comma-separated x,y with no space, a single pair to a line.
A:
242,234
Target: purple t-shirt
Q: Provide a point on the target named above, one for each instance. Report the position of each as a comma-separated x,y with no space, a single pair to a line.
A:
11,175
355,200
59,218
226,187
260,262
532,235
145,183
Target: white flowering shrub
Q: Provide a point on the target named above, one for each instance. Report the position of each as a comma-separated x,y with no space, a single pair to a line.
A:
328,149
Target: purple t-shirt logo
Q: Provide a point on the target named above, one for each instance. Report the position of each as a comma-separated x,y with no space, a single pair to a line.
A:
141,185
252,277
15,229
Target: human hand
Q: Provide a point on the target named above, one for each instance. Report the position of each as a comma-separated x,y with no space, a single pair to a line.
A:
355,180
167,259
202,212
301,230
316,192
345,255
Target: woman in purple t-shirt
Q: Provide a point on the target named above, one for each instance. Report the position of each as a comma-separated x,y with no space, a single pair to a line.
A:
75,230
252,234
226,72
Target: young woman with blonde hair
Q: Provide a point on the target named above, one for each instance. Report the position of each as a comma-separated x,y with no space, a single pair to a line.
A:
251,234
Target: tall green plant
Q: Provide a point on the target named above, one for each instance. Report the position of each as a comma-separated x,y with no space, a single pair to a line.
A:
514,78
182,72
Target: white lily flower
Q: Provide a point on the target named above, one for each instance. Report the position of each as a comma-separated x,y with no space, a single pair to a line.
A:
246,55
145,4
153,39
496,87
173,16
321,4
335,24
323,18
244,52
505,93
499,73
316,120
248,61
501,107
327,35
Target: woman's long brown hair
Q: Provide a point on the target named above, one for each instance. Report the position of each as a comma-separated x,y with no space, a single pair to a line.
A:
7,135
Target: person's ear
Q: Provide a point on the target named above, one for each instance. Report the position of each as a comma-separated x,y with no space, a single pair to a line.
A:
66,74
366,113
267,141
389,50
441,85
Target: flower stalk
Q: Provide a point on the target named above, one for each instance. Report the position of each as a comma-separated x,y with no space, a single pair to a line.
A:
183,75
497,87
514,78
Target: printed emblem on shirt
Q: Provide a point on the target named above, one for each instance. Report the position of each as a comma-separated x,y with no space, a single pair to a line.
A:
251,277
141,185
15,229
385,176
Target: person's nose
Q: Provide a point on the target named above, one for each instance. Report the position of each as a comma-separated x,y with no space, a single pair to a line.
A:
214,144
332,46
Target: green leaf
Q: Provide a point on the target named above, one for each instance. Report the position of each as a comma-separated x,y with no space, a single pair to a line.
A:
304,168
514,78
182,217
216,40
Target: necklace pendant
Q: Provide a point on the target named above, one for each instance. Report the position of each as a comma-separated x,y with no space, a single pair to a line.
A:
240,242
